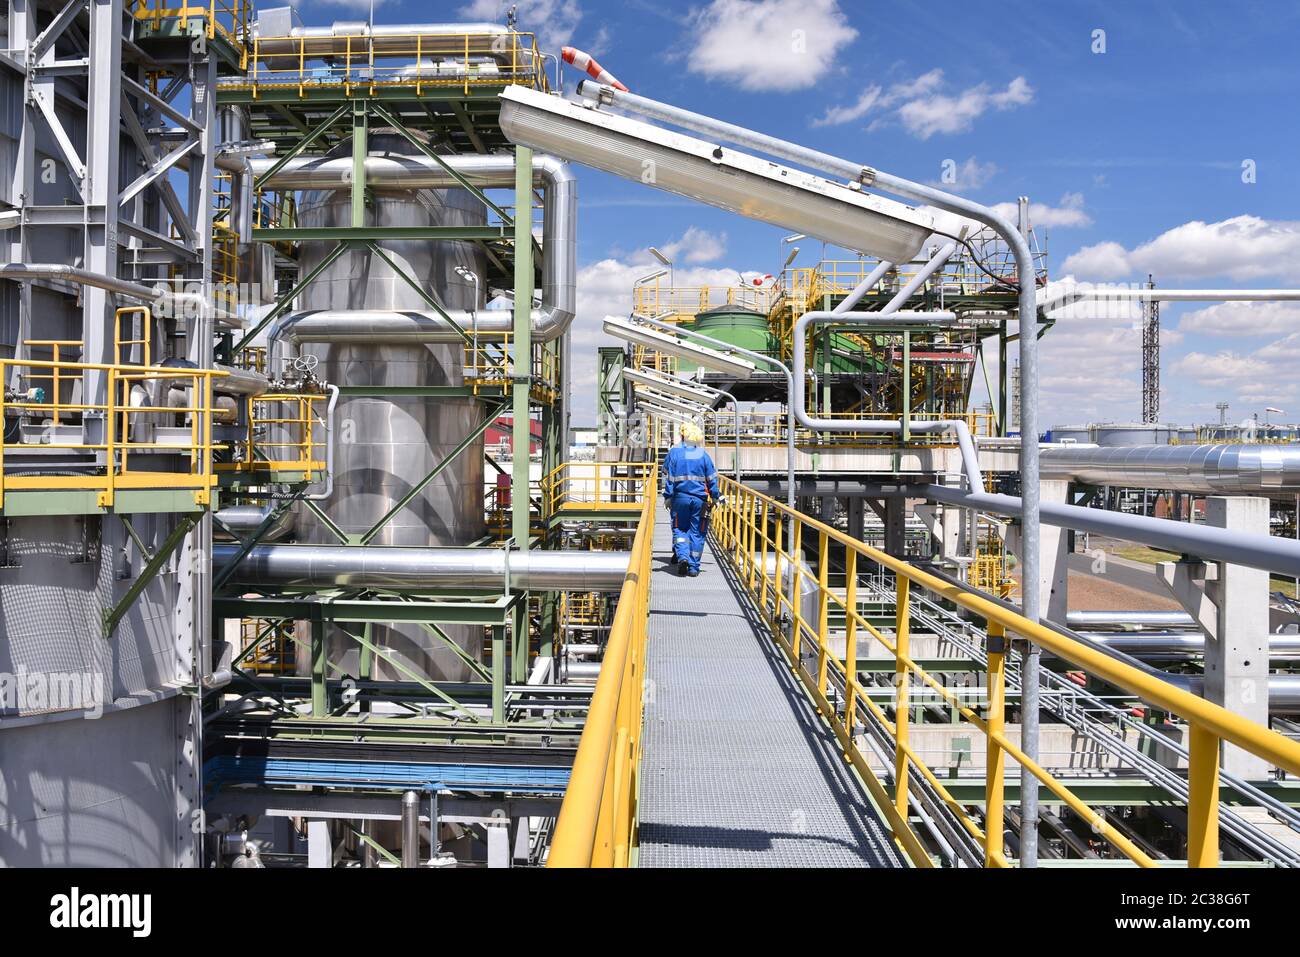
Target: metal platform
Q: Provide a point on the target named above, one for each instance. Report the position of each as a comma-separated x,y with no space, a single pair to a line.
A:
737,769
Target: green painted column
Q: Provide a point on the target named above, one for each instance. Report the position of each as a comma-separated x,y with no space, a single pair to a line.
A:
907,384
319,697
360,147
498,674
522,345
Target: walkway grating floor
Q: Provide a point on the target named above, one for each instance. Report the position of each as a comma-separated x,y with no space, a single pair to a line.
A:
737,768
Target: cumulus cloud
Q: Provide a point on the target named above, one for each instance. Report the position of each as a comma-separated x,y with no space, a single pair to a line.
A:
933,113
1243,319
767,45
554,21
924,109
960,177
1243,248
1068,213
695,246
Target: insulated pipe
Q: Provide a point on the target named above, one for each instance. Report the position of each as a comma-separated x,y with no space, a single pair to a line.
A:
411,829
937,262
1144,619
1281,555
1166,643
1067,297
152,295
969,457
1209,469
244,520
559,242
864,287
354,566
242,382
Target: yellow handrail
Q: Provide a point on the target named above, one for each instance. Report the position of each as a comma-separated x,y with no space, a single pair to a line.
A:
597,822
595,485
746,539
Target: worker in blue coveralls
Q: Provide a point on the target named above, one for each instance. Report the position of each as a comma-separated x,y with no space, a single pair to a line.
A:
689,482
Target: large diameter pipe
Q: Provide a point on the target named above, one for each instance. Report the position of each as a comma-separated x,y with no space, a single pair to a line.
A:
244,520
1208,469
1264,552
559,244
411,829
353,566
1143,619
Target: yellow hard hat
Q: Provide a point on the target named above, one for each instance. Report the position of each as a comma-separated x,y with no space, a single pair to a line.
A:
692,433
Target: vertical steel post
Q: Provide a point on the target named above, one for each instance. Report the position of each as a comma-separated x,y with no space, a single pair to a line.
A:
522,346
498,674
319,697
902,649
1203,799
850,637
994,758
360,147
410,829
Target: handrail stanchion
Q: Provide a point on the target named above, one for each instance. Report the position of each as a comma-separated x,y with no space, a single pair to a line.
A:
902,676
994,758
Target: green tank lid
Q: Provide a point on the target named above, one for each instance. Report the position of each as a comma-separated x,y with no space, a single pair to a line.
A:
735,325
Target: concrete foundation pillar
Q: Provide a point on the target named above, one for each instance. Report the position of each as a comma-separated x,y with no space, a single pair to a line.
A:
320,851
1054,551
856,509
950,527
1236,661
896,526
498,842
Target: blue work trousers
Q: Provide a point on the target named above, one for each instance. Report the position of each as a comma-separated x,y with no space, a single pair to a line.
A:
688,535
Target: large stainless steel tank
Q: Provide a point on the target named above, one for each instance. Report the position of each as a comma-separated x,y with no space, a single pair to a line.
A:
387,444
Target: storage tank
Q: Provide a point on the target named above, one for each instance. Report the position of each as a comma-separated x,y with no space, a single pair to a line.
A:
1081,434
1112,434
385,444
733,324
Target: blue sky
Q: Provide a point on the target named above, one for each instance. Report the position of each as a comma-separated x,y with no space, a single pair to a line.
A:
1132,143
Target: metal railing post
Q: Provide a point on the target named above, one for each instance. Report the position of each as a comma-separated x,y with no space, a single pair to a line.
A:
1203,799
902,675
994,758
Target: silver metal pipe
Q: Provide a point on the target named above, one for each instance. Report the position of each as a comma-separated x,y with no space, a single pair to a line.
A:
244,520
1209,469
242,382
969,457
924,273
26,272
384,327
1281,555
411,829
1143,619
355,566
864,287
1160,643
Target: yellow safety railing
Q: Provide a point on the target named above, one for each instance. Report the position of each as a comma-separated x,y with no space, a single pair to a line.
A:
228,19
678,303
751,526
489,361
597,822
595,486
282,436
132,426
267,646
359,64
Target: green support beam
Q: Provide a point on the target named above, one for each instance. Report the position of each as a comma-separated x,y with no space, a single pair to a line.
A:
153,563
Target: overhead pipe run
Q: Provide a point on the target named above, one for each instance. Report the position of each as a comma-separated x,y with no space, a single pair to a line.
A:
407,569
1208,469
385,327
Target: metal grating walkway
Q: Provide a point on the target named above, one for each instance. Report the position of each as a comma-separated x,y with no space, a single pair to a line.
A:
737,768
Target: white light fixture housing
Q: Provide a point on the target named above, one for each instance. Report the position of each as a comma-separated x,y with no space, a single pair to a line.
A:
839,213
673,346
667,384
668,401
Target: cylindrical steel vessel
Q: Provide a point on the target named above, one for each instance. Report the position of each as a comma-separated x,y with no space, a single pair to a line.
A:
386,444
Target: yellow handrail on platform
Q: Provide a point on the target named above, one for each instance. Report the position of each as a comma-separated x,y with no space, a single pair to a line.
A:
597,822
750,525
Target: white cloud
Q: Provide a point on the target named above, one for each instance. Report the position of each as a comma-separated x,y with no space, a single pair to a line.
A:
1242,248
696,246
932,112
768,45
554,21
1243,319
972,174
839,115
1106,260
1067,214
